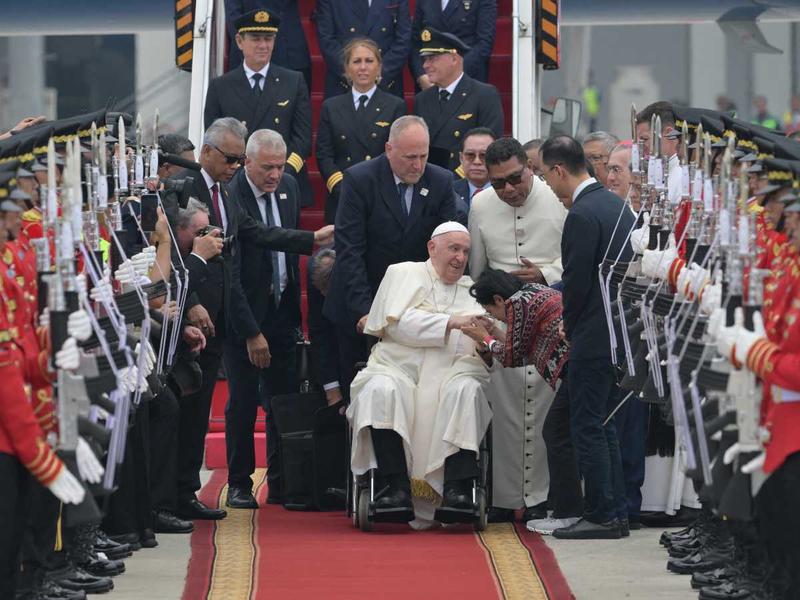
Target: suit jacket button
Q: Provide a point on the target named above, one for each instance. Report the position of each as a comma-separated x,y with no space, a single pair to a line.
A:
367,157
374,134
348,159
352,30
457,133
277,120
344,137
383,28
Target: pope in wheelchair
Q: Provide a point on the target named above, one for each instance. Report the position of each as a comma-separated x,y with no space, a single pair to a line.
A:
418,411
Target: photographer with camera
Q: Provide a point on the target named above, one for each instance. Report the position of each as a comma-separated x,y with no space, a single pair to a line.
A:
221,155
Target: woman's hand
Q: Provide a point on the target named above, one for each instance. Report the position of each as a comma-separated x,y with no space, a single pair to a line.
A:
477,332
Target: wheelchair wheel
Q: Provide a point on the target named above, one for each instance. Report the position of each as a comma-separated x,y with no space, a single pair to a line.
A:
362,511
354,501
483,511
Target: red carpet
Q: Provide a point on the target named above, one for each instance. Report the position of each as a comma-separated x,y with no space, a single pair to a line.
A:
274,553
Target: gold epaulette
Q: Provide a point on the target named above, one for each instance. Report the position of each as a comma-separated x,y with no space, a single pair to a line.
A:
33,215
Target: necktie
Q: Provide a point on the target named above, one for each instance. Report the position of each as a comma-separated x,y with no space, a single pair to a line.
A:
401,189
257,77
215,203
276,269
444,96
362,104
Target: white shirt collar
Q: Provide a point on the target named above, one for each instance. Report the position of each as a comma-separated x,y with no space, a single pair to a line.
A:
256,192
472,187
582,186
209,181
369,93
452,87
249,72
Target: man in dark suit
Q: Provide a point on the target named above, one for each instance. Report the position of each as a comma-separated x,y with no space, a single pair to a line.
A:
321,330
387,210
221,153
264,95
264,316
472,21
386,22
455,103
291,47
592,226
473,175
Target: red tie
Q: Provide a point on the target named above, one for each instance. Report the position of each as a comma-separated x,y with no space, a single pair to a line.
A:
215,202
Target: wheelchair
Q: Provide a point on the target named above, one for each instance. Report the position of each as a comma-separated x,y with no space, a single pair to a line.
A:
362,491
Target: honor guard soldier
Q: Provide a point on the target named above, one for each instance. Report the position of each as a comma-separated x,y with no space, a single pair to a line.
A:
455,103
386,22
472,21
264,95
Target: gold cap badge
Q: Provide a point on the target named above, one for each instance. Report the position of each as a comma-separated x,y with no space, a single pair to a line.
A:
262,16
426,35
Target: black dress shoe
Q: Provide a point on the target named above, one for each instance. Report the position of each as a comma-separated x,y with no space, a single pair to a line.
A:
100,567
394,506
148,537
165,522
50,590
240,498
702,560
500,515
702,579
624,528
586,530
194,509
75,578
634,525
131,539
458,496
112,549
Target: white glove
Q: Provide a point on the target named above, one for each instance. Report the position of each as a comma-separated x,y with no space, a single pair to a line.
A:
142,261
726,338
712,298
69,356
44,318
698,277
755,464
656,263
715,323
148,358
79,326
640,238
102,292
746,338
126,272
683,284
66,488
89,467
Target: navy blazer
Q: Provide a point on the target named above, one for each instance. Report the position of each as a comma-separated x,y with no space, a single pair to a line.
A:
463,200
372,233
321,333
386,22
472,21
251,292
473,104
291,47
587,235
282,106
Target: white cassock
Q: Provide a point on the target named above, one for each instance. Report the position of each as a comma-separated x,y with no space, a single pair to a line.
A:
520,398
420,381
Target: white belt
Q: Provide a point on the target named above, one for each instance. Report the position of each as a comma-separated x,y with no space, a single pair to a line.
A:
780,395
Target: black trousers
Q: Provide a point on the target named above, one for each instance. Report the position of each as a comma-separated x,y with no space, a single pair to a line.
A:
193,424
779,522
592,392
129,507
353,348
164,420
14,507
250,387
565,497
631,421
39,539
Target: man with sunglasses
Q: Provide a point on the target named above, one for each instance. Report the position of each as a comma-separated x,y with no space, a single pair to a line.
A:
516,226
472,169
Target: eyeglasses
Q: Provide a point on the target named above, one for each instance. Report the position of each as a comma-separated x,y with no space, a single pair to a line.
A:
230,159
513,179
596,158
615,169
471,156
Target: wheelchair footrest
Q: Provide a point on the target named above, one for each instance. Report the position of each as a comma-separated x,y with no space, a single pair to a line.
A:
448,515
391,515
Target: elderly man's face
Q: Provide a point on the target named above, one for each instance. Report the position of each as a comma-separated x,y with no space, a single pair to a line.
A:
597,155
256,48
449,253
408,154
186,235
619,172
473,159
223,160
442,69
535,161
265,168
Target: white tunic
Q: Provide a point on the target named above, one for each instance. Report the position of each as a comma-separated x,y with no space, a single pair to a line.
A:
420,381
520,398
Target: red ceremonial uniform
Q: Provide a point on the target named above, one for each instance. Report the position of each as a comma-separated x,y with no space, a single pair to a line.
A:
20,433
776,360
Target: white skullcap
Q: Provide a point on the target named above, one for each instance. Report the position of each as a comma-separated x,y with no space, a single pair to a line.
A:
447,227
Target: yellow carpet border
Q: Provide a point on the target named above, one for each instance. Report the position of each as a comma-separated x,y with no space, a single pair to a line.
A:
232,575
512,563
